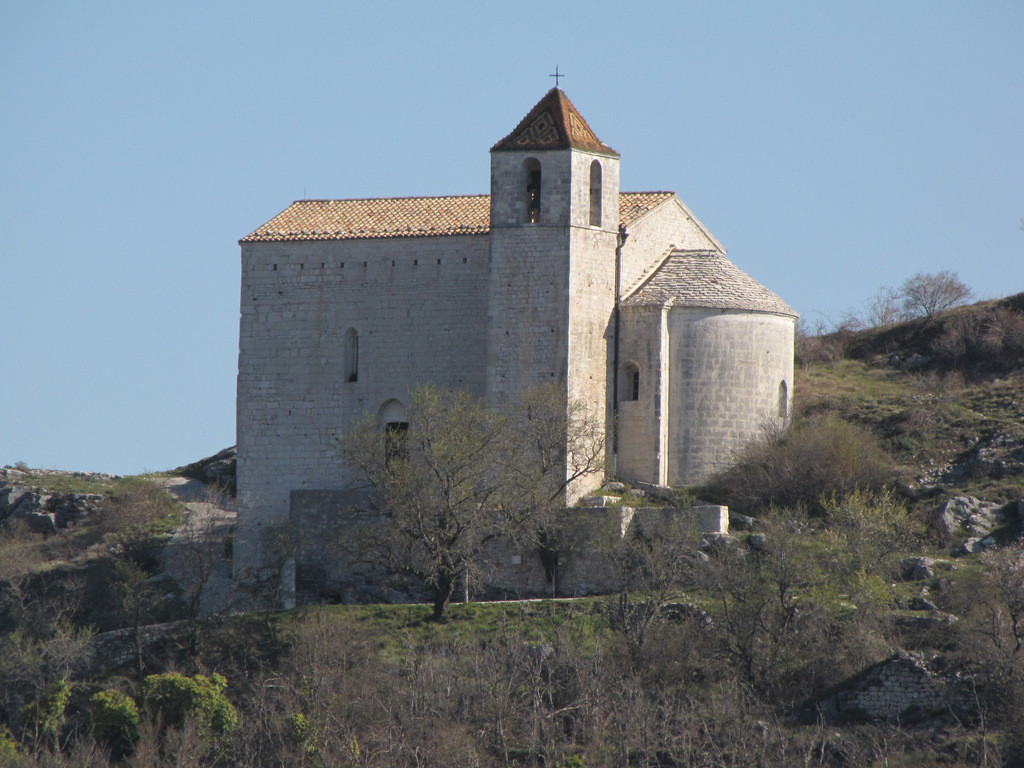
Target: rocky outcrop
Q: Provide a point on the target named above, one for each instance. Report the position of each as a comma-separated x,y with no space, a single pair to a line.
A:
996,456
921,568
973,525
42,511
217,470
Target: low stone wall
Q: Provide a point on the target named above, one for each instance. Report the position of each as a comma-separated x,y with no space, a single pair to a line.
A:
903,688
336,542
117,648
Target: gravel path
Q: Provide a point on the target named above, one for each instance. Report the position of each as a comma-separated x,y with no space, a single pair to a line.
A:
194,556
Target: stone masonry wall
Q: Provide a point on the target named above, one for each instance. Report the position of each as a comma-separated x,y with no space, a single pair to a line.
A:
335,558
670,225
725,372
552,283
640,440
419,307
905,688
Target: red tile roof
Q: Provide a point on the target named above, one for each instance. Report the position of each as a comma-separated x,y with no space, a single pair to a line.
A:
407,217
554,123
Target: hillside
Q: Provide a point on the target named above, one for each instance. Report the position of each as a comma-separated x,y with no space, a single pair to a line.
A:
869,614
944,394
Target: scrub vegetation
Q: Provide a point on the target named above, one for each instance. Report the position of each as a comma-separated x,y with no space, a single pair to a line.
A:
709,654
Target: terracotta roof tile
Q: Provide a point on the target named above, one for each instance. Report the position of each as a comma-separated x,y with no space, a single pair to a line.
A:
705,279
553,123
407,217
633,205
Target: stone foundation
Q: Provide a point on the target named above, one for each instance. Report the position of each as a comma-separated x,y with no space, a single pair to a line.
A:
336,540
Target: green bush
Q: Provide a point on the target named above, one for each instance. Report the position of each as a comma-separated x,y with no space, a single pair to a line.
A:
45,716
9,749
303,734
172,698
115,721
823,457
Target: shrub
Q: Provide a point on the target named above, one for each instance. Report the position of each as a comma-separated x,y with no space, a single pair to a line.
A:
172,698
45,716
962,337
115,721
992,337
822,457
1004,336
9,750
303,734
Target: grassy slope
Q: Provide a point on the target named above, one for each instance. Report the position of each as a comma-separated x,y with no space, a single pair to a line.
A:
933,417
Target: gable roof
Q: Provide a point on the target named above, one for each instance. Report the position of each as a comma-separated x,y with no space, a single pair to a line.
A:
408,217
705,279
553,123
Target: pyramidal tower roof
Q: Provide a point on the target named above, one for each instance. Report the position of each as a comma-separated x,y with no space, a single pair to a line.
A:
554,123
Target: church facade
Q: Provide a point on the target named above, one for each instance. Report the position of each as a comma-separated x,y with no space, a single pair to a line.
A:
623,299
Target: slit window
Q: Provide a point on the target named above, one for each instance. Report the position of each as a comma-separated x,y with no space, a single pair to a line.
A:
351,355
532,169
595,194
631,383
783,401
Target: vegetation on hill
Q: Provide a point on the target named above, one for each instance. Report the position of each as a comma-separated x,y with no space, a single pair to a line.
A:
717,654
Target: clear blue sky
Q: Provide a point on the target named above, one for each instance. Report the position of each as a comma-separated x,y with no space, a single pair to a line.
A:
831,147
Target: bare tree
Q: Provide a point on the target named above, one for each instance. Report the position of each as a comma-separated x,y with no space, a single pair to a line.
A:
198,550
556,445
464,473
885,307
438,487
929,292
651,564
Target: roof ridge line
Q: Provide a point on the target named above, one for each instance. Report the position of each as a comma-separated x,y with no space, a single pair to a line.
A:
646,276
399,197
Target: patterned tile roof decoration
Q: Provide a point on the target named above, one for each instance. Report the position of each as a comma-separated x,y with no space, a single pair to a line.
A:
554,123
407,217
705,279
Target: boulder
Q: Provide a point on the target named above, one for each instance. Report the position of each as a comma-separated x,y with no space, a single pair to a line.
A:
39,521
922,604
968,514
10,498
974,545
741,522
598,501
919,568
915,362
614,487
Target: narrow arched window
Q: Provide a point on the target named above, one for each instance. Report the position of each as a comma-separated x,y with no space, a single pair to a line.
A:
396,431
630,383
396,441
531,168
595,194
351,355
783,401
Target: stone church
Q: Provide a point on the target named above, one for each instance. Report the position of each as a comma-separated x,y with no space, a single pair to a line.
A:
622,298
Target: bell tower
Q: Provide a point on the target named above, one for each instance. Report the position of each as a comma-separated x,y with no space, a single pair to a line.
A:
554,230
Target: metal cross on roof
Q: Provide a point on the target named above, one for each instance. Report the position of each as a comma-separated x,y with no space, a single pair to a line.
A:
556,75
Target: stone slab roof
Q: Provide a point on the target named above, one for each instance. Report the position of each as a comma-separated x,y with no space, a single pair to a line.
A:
407,217
705,279
553,123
